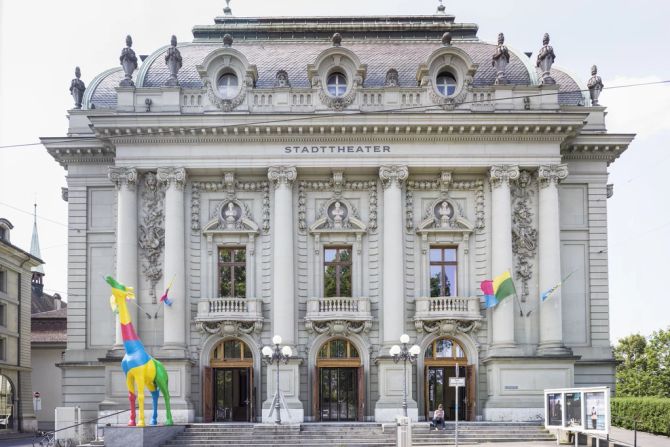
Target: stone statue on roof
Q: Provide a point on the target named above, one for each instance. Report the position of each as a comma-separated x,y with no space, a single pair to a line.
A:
500,60
174,62
545,59
128,60
595,86
77,88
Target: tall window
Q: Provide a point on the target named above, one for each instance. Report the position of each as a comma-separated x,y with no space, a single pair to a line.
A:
232,272
337,272
443,268
3,280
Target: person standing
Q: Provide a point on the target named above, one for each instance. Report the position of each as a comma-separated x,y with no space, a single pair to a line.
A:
594,418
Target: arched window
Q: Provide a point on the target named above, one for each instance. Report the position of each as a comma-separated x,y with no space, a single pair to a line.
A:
337,84
446,83
231,351
6,402
227,85
445,350
338,352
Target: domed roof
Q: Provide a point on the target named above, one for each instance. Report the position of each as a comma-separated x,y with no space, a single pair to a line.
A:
293,55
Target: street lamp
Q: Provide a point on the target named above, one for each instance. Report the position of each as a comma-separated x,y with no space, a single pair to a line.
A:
278,355
404,354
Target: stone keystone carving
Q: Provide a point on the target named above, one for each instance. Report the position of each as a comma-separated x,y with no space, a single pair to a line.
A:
446,38
551,174
77,88
392,78
500,60
502,174
336,39
281,80
128,62
227,40
123,176
172,176
595,86
393,175
174,61
545,59
282,175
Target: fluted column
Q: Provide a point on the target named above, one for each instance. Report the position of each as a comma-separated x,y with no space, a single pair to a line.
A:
393,310
283,304
125,180
174,324
501,254
549,255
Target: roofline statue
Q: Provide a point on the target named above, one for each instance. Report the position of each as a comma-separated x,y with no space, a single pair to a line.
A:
500,60
595,86
174,61
77,88
128,61
545,59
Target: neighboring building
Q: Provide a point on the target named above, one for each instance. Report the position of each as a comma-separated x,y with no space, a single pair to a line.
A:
47,340
16,402
339,191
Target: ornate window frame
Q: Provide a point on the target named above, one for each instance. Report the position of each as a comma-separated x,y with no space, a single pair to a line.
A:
220,232
453,60
337,59
454,232
222,61
326,232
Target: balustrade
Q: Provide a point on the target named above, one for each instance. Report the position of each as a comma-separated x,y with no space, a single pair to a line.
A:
447,307
239,309
338,308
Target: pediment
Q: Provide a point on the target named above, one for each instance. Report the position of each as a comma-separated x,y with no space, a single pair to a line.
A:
338,215
444,216
231,216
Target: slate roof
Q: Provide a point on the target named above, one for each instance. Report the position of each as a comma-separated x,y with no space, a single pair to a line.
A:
49,327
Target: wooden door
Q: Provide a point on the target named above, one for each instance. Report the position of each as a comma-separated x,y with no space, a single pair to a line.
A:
470,385
361,394
252,396
316,393
207,394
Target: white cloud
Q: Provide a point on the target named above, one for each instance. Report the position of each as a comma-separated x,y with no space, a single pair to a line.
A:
643,110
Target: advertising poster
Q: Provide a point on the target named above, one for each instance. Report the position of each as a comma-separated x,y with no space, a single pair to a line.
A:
573,409
554,409
596,411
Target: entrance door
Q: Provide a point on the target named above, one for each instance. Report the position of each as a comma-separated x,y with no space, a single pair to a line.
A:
232,394
339,394
439,392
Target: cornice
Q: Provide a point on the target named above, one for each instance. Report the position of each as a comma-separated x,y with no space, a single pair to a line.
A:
82,150
596,146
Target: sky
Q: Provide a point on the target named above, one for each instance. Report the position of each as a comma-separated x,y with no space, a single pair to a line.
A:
41,41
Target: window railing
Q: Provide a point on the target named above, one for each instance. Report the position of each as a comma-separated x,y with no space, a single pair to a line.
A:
229,308
339,308
447,307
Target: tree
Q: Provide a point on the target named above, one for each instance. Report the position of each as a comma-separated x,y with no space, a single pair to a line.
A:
644,365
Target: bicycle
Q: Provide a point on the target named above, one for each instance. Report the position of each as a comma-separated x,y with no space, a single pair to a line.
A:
46,439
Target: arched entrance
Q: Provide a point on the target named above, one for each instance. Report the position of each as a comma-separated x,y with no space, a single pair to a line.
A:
445,358
228,383
340,391
6,403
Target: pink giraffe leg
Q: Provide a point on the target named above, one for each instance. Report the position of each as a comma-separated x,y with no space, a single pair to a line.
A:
131,398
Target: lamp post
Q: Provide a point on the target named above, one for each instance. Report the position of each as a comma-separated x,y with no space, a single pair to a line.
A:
405,354
278,355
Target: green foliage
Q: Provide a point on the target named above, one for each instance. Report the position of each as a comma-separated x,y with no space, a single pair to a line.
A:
651,413
644,368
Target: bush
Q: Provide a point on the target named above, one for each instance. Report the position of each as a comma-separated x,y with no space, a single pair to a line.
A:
651,413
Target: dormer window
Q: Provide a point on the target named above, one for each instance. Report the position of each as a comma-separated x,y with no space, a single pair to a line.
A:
337,84
446,83
227,85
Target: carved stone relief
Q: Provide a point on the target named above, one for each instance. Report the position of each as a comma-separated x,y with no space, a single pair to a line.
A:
447,327
524,235
152,231
338,327
230,328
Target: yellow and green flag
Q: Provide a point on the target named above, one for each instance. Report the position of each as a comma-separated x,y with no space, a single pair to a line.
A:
503,286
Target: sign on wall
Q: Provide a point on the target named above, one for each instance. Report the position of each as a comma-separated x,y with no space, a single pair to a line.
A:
578,409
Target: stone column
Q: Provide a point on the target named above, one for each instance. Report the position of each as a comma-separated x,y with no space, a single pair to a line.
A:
503,342
393,286
283,304
174,323
125,180
549,256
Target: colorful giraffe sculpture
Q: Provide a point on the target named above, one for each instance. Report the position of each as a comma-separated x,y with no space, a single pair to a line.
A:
140,368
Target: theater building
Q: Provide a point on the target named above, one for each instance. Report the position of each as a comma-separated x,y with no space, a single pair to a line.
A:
339,181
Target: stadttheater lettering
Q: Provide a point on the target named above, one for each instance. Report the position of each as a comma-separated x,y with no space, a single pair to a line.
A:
359,149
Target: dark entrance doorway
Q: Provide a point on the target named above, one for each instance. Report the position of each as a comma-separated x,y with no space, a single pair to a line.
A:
339,394
232,397
439,392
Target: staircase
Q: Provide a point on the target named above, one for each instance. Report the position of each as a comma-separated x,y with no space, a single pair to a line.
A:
304,435
480,432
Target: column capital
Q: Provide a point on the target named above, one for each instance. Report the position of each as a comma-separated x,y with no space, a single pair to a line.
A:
282,175
123,176
393,174
551,174
502,174
172,176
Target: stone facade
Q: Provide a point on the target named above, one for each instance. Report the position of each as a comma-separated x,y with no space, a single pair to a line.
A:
254,152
